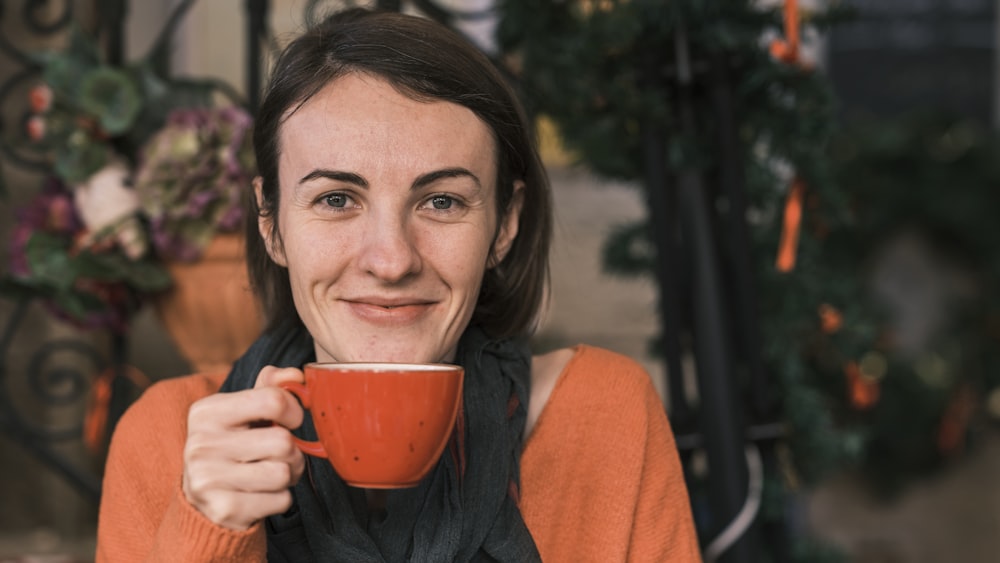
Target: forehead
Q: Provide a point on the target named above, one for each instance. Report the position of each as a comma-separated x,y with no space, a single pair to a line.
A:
360,122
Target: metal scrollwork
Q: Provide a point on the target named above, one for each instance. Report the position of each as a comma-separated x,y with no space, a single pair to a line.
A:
34,12
36,18
54,381
63,383
15,149
56,378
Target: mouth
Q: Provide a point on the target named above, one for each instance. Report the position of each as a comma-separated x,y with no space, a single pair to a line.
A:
389,303
389,312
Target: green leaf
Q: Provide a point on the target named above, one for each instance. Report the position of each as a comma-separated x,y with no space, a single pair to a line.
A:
162,97
83,46
144,275
64,70
49,261
95,266
77,159
64,74
76,304
112,96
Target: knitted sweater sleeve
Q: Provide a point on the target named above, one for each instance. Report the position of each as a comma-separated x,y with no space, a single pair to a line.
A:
144,516
601,479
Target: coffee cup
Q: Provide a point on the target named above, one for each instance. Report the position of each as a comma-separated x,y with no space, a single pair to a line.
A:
381,425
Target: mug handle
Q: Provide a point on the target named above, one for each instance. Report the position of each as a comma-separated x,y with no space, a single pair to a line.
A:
313,448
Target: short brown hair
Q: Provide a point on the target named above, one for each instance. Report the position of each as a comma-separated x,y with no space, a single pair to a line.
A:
427,61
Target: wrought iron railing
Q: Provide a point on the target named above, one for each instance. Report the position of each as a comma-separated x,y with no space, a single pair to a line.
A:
50,383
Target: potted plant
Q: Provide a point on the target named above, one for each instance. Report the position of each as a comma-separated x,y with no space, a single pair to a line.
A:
191,179
146,170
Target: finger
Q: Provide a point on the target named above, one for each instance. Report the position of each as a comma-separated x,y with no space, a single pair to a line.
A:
205,477
240,510
271,376
272,443
298,465
240,409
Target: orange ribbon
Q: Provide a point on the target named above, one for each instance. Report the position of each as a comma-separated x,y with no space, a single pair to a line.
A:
787,50
830,319
790,227
955,421
95,420
862,390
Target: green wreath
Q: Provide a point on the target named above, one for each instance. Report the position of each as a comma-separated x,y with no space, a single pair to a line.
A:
916,358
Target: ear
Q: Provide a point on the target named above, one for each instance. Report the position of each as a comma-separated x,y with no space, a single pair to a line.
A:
265,226
508,226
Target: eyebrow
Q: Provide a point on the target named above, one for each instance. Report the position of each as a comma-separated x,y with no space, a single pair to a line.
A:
340,176
421,181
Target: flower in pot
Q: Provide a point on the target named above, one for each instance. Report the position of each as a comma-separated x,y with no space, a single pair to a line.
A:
192,178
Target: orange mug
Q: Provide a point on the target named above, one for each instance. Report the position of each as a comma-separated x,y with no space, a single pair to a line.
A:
381,425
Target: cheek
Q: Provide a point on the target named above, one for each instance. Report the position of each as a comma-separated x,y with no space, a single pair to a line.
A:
460,260
311,255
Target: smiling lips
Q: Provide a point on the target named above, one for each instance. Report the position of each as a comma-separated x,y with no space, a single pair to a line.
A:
388,312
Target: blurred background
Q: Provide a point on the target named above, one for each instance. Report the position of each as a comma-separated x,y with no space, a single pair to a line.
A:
785,210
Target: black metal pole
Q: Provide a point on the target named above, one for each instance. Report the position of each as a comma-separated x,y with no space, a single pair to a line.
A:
113,13
663,224
257,13
740,253
721,417
122,388
763,403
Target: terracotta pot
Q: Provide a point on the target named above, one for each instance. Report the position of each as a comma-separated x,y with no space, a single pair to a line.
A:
210,312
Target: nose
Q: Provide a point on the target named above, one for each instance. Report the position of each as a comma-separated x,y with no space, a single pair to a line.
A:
389,251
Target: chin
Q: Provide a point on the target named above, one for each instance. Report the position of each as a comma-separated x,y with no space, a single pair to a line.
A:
399,355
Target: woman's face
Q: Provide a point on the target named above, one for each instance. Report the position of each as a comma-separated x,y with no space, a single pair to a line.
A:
387,216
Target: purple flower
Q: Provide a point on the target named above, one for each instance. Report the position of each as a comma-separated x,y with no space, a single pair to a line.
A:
193,177
52,212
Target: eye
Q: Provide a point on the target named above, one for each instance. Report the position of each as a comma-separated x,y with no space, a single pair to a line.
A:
337,200
444,206
441,202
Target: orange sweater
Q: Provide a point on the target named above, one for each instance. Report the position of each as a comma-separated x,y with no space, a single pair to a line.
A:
600,476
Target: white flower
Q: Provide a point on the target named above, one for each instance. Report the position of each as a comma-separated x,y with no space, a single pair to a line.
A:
131,237
105,198
108,207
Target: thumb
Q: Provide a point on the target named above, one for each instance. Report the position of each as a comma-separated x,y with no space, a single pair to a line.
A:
285,407
271,376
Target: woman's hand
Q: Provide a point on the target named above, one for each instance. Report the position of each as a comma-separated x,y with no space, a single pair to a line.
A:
239,458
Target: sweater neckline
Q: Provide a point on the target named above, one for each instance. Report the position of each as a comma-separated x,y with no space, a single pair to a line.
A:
578,352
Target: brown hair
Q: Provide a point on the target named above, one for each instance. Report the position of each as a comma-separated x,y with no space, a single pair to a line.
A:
423,60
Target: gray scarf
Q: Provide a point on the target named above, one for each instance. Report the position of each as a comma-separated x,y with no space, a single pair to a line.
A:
464,510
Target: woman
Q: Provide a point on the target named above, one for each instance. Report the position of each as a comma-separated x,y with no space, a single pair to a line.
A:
403,215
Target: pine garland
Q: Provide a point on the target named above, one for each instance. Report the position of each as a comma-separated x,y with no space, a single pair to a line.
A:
853,396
